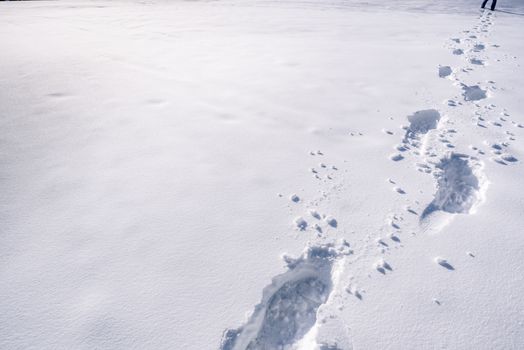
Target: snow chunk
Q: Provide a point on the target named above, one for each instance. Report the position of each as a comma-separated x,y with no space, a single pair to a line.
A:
331,221
444,263
444,71
294,198
300,223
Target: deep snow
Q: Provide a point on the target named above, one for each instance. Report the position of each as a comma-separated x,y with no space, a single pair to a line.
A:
232,174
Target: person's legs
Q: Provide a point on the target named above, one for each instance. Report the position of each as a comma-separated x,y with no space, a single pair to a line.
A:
493,4
484,3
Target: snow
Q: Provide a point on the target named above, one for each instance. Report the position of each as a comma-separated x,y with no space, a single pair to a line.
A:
261,174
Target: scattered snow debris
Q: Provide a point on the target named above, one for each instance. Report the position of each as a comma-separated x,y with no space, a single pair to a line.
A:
401,148
344,248
476,61
509,158
396,157
300,223
315,214
499,161
399,190
381,266
421,122
479,47
381,242
354,291
409,210
331,221
444,263
394,224
459,184
394,237
289,305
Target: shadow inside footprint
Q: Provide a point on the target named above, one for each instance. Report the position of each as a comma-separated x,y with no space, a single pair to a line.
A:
457,186
289,305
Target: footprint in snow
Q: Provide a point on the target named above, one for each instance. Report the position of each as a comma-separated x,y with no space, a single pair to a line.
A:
289,305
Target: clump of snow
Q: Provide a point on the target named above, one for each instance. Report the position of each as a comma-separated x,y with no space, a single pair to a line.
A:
421,122
300,223
381,266
444,71
331,221
315,214
476,61
294,198
444,263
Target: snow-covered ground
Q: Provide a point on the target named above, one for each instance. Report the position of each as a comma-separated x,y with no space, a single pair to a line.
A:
246,174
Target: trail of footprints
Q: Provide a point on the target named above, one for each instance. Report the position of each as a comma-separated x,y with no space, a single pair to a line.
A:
295,307
429,143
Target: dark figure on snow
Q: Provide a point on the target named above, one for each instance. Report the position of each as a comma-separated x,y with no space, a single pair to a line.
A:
493,4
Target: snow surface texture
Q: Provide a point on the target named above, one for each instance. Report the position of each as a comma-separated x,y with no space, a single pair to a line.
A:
158,157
